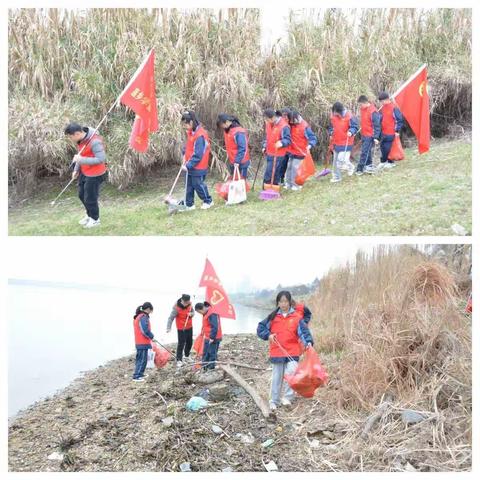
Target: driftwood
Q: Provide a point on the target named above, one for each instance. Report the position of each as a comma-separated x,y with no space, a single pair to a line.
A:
259,401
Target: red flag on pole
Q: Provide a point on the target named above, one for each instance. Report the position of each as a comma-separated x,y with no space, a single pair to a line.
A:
139,95
413,101
216,294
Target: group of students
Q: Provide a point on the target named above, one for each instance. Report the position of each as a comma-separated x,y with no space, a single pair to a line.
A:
285,328
288,139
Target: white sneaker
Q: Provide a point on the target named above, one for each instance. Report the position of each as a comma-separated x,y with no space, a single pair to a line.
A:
179,364
295,188
392,165
335,180
369,169
381,165
206,206
359,173
190,208
92,223
84,220
287,187
138,380
351,169
145,375
188,359
286,402
273,406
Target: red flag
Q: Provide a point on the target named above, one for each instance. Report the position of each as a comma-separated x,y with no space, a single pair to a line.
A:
216,294
413,101
139,95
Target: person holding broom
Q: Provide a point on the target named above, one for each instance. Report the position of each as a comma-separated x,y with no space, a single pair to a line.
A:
90,167
278,138
303,140
196,157
182,312
286,331
236,143
392,123
212,334
342,130
143,339
370,128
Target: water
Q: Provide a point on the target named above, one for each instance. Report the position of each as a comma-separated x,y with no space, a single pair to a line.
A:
55,333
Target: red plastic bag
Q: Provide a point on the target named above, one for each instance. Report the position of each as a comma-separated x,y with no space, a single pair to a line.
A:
468,308
305,170
198,348
309,374
396,152
222,188
161,356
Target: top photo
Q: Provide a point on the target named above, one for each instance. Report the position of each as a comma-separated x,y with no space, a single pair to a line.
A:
268,121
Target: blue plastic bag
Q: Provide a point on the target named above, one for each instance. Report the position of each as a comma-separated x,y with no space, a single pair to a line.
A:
196,403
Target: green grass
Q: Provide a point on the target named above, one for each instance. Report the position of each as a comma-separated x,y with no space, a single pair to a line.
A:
424,195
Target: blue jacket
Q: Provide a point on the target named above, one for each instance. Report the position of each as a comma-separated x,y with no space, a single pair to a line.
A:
213,321
241,141
303,332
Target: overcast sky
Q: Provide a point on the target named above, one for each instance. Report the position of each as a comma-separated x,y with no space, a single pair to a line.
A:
170,264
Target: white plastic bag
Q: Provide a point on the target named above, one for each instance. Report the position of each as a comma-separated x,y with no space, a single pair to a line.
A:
237,189
150,359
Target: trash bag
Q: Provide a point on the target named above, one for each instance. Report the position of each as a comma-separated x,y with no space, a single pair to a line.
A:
150,359
222,189
198,344
305,170
237,192
196,403
468,308
161,356
396,152
309,374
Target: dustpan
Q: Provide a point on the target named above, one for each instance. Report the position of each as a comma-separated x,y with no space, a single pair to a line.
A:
270,190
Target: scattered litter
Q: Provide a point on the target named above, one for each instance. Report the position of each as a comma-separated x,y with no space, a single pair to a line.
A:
185,467
168,421
196,403
56,456
228,469
246,438
216,429
410,416
268,443
459,230
271,466
314,444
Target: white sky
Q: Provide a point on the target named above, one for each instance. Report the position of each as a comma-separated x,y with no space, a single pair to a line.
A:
172,264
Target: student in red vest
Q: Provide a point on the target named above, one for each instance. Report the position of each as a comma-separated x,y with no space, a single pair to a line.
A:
342,130
236,143
196,157
392,123
278,138
303,140
90,168
283,328
182,313
370,127
212,334
285,111
143,339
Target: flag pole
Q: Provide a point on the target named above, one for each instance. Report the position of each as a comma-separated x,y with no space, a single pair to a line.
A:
409,80
117,101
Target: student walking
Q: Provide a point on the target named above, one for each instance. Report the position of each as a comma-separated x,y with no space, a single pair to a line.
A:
143,339
278,138
370,120
212,334
90,168
236,143
284,328
342,129
303,140
182,312
196,157
392,123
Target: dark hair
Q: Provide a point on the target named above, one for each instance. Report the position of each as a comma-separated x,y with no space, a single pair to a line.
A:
185,297
189,116
338,107
225,117
283,293
201,305
142,308
383,96
293,115
362,99
286,111
269,113
72,128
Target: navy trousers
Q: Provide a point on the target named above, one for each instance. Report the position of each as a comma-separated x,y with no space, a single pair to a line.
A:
366,154
385,147
210,352
140,362
197,184
267,177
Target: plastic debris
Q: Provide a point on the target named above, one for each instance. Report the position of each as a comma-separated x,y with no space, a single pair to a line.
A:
271,466
196,403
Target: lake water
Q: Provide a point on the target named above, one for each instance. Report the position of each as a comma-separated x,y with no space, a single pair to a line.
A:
55,333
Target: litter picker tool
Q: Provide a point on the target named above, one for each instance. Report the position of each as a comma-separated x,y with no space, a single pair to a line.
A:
256,173
175,206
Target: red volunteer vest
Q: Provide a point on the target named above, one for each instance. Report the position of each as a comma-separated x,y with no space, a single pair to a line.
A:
340,128
91,170
206,327
300,309
274,134
388,120
183,320
140,338
299,142
189,147
366,123
232,147
285,330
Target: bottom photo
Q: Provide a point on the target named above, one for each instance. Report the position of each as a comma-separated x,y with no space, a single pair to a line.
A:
239,355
